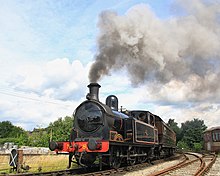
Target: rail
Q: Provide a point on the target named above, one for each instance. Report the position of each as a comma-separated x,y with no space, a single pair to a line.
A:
200,170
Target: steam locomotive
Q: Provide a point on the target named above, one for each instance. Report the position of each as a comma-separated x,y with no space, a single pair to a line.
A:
102,133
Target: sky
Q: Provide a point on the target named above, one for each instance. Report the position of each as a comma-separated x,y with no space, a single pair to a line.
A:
160,56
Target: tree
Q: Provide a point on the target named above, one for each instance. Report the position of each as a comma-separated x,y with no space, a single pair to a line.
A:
5,129
38,138
191,132
174,126
61,128
182,145
11,133
197,146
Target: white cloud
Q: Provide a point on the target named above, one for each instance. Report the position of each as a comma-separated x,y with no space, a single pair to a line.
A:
38,93
34,111
58,79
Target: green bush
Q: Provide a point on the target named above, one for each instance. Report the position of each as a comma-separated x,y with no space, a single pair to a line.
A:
20,140
4,140
182,145
197,146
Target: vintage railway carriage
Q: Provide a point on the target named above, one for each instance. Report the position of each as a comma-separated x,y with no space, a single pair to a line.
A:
212,139
102,132
167,137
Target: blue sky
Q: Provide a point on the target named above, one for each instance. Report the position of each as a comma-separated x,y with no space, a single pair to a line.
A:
46,50
50,29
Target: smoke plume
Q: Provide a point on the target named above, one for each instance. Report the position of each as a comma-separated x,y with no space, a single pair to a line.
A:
153,50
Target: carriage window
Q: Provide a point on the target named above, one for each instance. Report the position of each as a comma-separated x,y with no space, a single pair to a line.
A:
216,135
205,137
152,120
208,137
156,135
213,137
142,117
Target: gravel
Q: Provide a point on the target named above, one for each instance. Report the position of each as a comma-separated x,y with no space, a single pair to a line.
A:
215,170
153,168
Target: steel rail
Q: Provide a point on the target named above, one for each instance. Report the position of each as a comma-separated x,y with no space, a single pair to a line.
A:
50,173
179,165
207,166
79,171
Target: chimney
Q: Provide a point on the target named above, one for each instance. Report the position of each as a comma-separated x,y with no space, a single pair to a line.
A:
93,91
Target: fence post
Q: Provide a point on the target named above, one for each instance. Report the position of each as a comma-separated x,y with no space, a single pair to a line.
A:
20,160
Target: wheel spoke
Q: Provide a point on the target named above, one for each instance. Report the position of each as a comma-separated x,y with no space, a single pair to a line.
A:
132,160
116,159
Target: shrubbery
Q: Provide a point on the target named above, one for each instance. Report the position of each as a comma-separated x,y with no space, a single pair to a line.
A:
58,131
189,135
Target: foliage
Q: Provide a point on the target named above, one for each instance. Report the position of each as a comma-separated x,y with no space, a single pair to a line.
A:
38,138
182,145
197,147
61,128
9,130
4,140
11,133
190,135
192,132
60,131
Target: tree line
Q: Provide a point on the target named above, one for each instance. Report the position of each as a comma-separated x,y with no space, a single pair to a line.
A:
58,130
189,135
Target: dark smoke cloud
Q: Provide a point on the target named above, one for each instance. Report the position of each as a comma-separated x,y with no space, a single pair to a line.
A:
184,48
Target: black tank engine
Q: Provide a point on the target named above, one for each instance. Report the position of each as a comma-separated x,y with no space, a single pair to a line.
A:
102,132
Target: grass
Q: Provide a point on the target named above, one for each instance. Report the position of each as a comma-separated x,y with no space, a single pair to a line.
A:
4,164
45,162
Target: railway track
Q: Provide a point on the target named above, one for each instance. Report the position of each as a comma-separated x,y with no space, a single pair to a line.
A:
129,169
52,173
94,171
73,171
214,170
190,164
193,165
209,161
82,171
